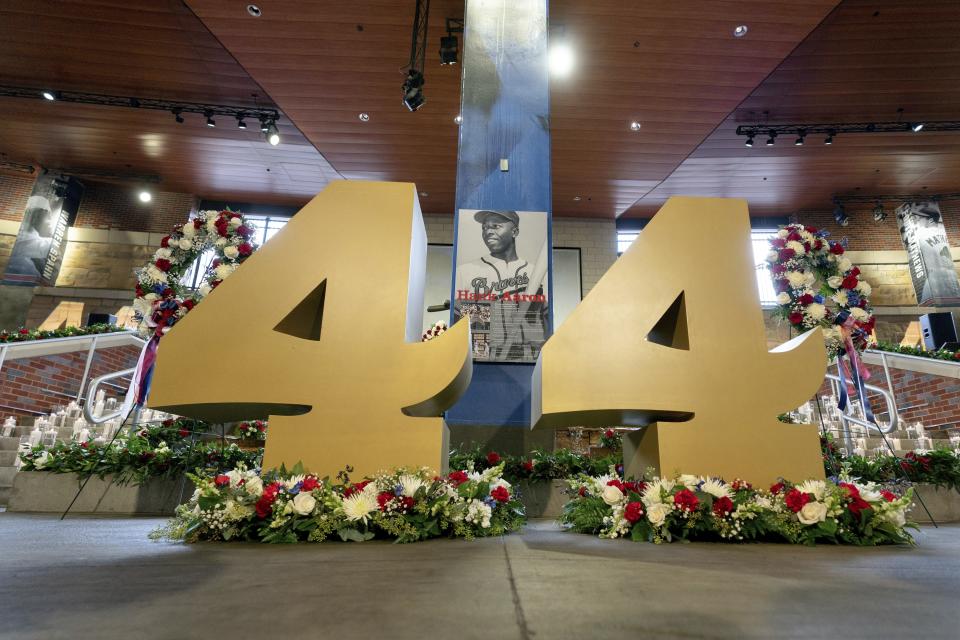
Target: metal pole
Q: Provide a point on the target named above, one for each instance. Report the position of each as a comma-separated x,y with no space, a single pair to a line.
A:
886,372
86,369
3,354
847,438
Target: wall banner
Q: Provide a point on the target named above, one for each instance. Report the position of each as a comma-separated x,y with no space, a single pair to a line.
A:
928,254
502,282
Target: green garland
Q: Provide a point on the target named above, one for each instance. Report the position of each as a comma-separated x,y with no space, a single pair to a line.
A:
538,465
27,335
939,467
942,354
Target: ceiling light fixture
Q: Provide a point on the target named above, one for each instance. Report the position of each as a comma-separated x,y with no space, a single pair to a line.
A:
634,126
145,196
801,134
254,10
879,215
413,97
177,116
50,95
561,59
749,142
840,215
449,46
772,138
273,134
831,129
364,117
458,119
829,138
740,31
240,123
210,121
916,127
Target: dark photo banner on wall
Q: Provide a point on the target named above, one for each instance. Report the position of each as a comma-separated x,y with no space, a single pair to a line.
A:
928,254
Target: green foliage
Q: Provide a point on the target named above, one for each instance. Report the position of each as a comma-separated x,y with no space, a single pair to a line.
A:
27,335
539,465
942,354
585,515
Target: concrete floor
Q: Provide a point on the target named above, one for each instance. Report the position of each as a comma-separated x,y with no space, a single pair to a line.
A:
103,579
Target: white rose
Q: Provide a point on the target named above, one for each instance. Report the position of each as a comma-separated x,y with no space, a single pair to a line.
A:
657,513
783,298
897,517
235,221
859,314
162,254
845,264
783,233
41,460
809,278
223,271
221,242
186,244
796,279
254,486
189,230
816,311
812,513
797,247
231,252
864,288
612,495
773,256
835,281
304,503
205,290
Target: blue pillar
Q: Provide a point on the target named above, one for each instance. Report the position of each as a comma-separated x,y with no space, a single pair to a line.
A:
506,117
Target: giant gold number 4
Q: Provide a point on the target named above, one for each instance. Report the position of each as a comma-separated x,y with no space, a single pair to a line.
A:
320,330
673,333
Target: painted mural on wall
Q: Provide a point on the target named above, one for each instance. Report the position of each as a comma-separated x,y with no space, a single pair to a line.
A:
928,253
38,251
502,282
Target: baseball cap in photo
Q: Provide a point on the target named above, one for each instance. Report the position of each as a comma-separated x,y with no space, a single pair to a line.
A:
512,216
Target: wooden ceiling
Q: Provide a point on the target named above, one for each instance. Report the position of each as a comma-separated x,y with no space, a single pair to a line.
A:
673,66
868,59
149,49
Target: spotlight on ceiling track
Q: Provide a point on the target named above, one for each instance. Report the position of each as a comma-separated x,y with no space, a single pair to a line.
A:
50,95
916,127
177,115
840,215
829,138
801,134
749,142
145,196
240,123
772,138
210,121
879,215
413,90
449,47
273,134
264,125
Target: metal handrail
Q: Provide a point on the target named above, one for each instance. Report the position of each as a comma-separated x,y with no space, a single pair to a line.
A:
891,409
124,409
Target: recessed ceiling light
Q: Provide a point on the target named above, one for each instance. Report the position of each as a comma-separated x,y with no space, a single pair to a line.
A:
740,31
458,118
635,126
364,117
254,10
50,95
424,194
576,198
561,59
916,127
145,196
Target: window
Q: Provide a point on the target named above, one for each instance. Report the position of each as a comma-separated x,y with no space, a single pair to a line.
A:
625,239
266,228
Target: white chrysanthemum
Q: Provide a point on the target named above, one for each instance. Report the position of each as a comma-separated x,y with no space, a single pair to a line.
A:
290,482
689,481
653,493
835,281
231,252
185,243
864,288
189,230
783,233
783,298
162,254
410,484
809,278
223,270
844,264
859,314
806,235
796,279
816,310
716,488
253,485
840,297
359,506
817,487
797,247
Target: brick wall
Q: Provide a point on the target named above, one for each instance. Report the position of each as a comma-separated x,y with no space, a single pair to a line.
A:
110,206
14,193
42,384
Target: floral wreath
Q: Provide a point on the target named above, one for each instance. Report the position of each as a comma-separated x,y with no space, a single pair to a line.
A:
817,286
161,299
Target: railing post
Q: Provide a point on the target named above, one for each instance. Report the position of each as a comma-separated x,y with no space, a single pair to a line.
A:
86,369
3,354
886,372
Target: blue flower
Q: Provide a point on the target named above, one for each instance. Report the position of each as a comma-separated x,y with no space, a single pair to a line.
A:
489,501
398,490
158,288
295,489
818,298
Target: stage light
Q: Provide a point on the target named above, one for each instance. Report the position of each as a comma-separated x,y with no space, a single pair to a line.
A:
749,142
561,59
273,134
448,49
263,126
840,215
799,141
772,138
829,138
879,215
50,95
916,127
364,117
458,119
740,31
210,121
635,126
413,90
176,116
145,196
240,123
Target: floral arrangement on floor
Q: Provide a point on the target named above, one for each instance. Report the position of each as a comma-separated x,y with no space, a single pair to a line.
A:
141,454
253,429
161,299
611,439
815,283
691,508
537,465
939,467
403,505
27,335
438,328
940,354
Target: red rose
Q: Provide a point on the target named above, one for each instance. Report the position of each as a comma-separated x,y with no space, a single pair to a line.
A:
183,433
888,496
261,427
85,445
776,488
633,511
855,271
781,285
309,483
165,241
722,506
528,465
858,505
406,503
244,231
739,484
163,264
457,478
778,243
806,298
265,505
616,483
795,499
793,235
836,248
786,254
818,245
245,248
778,269
383,499
582,491
189,304
849,282
796,318
686,500
221,480
197,223
810,229
354,488
500,494
493,458
609,433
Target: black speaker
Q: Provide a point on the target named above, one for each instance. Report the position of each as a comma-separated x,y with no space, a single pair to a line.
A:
938,329
101,318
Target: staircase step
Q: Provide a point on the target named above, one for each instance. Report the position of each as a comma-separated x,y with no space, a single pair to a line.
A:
9,444
6,476
7,458
5,496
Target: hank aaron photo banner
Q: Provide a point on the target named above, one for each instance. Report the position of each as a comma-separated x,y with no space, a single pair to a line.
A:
931,264
501,281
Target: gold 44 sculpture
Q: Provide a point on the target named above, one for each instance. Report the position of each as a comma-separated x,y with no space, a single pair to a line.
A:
320,330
